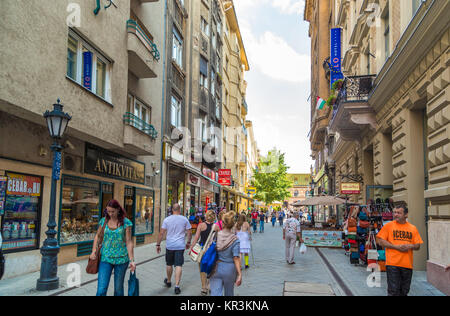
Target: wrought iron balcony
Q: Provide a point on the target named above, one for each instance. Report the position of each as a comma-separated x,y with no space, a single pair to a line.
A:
351,110
132,120
133,27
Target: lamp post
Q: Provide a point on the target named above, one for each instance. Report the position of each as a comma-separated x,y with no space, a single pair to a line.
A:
313,222
57,122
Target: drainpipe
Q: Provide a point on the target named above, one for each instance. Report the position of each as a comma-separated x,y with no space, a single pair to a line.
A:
163,108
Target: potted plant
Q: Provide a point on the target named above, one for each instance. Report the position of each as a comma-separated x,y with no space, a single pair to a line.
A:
331,100
337,85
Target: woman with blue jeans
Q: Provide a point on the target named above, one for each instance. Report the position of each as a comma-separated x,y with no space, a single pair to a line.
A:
117,252
228,270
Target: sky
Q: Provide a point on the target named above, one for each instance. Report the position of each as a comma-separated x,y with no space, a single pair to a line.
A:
276,41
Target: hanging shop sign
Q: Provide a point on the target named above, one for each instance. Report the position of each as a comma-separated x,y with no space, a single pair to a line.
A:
209,173
225,177
23,185
107,164
350,188
336,55
193,180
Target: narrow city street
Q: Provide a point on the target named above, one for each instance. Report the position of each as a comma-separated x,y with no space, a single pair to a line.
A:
269,274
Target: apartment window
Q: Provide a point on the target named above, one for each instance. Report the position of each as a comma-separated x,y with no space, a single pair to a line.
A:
175,112
203,72
205,27
387,34
87,66
203,128
139,109
177,48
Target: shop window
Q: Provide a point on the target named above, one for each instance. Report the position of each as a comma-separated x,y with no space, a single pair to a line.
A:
80,213
144,212
22,196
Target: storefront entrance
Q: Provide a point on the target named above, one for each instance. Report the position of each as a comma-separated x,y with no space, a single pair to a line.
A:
21,197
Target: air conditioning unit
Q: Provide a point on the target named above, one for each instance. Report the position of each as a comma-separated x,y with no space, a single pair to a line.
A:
72,163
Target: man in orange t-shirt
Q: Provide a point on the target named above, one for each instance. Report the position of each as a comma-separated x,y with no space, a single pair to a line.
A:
400,239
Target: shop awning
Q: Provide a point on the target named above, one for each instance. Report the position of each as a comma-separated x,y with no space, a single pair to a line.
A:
320,200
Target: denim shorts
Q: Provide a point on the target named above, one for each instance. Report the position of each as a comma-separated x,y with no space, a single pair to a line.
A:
175,257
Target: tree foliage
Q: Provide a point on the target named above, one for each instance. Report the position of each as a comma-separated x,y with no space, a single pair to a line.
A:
270,178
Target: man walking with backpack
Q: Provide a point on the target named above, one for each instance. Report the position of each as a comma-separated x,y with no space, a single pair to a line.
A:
175,228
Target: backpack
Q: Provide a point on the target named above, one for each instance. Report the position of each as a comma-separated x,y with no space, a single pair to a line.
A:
209,259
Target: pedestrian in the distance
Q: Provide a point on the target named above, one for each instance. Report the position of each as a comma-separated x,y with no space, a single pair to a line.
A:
228,270
202,234
175,228
244,234
254,219
267,215
291,230
262,218
117,252
280,217
273,218
400,239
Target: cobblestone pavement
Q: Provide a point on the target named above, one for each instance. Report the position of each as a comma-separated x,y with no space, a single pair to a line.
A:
266,277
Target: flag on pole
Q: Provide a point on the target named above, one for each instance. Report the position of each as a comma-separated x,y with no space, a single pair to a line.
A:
320,103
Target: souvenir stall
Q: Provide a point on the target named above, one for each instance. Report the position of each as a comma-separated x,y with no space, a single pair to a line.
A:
363,224
321,236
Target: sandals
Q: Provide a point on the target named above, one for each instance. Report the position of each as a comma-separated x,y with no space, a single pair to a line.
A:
204,292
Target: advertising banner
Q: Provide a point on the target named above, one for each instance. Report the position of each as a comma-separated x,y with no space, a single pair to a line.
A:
336,55
3,183
23,185
318,238
87,71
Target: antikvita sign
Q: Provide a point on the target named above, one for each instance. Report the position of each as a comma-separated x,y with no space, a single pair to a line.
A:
103,163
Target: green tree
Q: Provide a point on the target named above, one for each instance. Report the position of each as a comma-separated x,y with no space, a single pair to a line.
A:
270,178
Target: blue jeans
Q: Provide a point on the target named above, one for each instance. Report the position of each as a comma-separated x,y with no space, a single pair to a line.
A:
104,276
254,225
273,221
261,226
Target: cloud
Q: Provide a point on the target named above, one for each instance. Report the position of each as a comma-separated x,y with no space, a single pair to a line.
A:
288,7
275,58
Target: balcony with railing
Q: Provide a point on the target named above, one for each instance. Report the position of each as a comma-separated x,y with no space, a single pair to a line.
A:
143,54
139,136
351,110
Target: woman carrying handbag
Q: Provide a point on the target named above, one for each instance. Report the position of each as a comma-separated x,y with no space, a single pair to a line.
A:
114,248
202,236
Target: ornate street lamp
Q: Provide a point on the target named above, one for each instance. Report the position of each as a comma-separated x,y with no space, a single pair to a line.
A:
312,184
57,122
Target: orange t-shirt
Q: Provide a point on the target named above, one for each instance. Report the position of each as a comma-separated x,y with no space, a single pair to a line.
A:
400,234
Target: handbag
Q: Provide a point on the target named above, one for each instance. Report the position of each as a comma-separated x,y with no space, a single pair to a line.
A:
133,285
363,215
92,266
352,222
195,252
364,224
381,255
387,215
198,250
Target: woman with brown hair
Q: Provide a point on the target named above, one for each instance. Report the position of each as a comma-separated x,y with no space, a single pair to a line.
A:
203,232
244,234
228,269
117,251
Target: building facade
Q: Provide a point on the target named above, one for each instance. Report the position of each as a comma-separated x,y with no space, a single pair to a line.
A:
300,187
110,82
389,122
234,111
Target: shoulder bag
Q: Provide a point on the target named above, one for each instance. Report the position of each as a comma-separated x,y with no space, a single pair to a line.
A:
92,267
